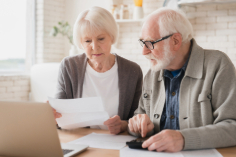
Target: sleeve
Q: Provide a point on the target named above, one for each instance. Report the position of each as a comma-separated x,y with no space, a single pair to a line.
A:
137,94
140,110
222,133
62,81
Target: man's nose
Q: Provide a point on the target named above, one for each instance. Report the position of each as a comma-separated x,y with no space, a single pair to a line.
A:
145,50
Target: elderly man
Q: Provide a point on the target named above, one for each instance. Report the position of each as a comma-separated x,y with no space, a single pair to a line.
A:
188,98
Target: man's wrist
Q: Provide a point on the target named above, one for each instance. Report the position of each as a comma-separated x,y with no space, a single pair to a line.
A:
182,139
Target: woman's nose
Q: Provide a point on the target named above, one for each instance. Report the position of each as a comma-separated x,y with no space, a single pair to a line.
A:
94,45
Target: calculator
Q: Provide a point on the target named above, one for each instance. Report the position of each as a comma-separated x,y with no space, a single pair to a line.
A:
137,143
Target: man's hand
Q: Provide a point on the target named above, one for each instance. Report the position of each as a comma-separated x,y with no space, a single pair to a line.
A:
165,141
140,123
116,125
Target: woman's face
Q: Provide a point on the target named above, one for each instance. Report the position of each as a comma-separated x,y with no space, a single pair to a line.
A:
97,46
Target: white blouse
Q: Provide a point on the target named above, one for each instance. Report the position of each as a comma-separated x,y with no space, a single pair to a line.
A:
104,85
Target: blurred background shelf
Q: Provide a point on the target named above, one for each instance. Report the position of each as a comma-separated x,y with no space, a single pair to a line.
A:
129,21
201,2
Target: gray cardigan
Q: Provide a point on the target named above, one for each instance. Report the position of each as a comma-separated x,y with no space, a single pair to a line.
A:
130,76
207,100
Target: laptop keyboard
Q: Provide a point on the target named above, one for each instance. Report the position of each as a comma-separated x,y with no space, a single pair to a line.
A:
66,151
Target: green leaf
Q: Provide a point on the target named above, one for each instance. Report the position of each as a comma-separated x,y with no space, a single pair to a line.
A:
64,28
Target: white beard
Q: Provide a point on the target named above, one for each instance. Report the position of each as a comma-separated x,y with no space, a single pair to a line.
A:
164,62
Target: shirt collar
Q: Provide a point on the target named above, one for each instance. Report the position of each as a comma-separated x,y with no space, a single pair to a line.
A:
196,62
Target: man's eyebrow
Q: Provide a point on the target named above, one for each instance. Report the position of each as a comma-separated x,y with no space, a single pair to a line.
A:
147,39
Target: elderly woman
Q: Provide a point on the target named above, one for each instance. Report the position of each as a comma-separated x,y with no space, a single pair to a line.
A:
98,72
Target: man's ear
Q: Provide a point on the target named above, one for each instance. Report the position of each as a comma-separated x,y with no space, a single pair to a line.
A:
176,41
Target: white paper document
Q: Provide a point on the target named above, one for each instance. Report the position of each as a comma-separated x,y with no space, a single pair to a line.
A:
79,112
104,141
127,152
203,152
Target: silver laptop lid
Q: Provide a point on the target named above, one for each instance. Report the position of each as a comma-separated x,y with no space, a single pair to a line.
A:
28,129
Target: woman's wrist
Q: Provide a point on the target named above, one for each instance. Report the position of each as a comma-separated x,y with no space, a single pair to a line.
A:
124,125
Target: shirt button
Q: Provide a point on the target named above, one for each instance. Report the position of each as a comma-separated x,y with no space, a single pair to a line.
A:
172,117
145,95
173,93
156,116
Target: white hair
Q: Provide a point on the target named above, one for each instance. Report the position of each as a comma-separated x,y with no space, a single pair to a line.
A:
172,21
165,61
92,21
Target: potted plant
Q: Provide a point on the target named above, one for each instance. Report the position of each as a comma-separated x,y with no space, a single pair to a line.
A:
64,29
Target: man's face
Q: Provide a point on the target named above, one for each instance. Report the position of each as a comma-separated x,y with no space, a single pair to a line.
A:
161,56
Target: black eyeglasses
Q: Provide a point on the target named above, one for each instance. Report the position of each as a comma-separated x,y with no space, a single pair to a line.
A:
149,44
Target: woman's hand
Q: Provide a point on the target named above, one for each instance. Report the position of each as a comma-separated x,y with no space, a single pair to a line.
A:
116,125
56,114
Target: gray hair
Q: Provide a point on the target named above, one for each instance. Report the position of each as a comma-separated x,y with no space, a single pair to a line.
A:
92,21
173,21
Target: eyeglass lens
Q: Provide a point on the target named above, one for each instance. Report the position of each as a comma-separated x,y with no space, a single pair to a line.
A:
147,43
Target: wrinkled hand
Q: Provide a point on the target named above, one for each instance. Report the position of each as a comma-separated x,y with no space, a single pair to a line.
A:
165,141
140,123
56,114
115,124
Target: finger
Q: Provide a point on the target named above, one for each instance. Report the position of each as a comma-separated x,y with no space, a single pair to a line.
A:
144,127
108,122
111,129
135,126
114,130
130,125
162,148
150,126
151,140
53,109
156,145
138,122
112,120
58,115
115,124
104,123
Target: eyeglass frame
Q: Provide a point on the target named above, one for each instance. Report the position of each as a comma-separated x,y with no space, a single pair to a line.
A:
153,42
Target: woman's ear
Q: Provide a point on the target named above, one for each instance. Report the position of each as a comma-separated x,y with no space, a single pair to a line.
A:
112,40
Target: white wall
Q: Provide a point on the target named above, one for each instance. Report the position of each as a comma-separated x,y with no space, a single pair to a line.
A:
48,14
214,28
14,87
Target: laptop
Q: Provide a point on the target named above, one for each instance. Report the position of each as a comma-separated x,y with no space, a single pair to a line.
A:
29,129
